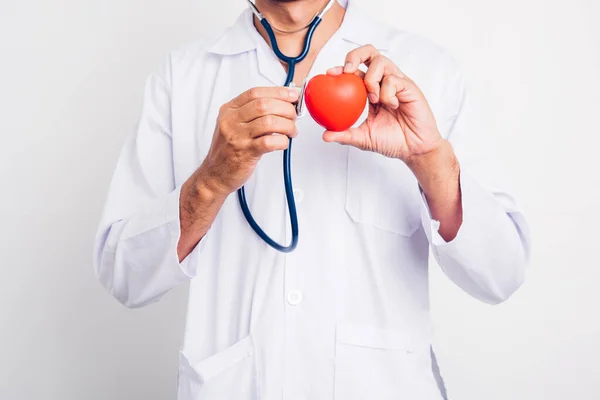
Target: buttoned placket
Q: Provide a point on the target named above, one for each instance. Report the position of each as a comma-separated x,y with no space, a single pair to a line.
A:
296,279
296,275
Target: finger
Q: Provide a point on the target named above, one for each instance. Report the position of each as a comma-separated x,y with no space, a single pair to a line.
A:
268,143
335,71
277,92
360,74
380,67
266,106
361,55
344,137
352,137
406,90
390,87
374,76
269,124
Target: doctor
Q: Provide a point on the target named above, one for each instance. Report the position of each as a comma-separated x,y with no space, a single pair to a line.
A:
346,315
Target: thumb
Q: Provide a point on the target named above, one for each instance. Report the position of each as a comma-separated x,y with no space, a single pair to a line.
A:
335,71
351,137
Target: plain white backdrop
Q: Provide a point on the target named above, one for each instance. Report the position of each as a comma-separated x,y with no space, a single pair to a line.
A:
71,79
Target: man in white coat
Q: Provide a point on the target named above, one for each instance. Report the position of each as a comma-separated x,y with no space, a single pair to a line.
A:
346,315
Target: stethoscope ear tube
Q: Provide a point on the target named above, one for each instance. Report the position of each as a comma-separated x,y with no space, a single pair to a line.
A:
255,11
287,154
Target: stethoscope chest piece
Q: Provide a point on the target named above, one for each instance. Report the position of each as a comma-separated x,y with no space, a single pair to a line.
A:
300,105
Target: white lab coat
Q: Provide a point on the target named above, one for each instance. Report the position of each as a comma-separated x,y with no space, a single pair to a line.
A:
346,315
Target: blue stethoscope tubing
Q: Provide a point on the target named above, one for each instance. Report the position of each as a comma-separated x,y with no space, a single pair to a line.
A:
287,154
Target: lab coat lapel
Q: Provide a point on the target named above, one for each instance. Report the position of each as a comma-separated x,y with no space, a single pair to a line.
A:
269,65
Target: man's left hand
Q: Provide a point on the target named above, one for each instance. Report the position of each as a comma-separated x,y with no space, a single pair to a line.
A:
400,123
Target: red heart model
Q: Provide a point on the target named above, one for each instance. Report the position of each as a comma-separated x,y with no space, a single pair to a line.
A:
336,102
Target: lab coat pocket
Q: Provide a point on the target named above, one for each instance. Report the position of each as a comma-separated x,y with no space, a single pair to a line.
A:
230,374
382,192
382,364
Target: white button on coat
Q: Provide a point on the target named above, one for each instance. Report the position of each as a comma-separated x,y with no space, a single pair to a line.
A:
298,195
294,297
362,256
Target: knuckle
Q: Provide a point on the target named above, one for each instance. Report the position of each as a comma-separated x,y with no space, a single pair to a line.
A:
223,109
222,125
267,142
254,93
371,83
283,143
261,145
262,105
230,139
290,109
268,121
290,128
272,142
282,92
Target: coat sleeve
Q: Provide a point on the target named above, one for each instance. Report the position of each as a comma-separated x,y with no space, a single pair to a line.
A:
135,250
488,256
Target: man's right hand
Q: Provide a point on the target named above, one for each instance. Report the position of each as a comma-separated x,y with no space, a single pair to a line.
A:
258,121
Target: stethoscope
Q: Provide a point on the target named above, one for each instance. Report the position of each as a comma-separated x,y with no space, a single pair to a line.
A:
287,175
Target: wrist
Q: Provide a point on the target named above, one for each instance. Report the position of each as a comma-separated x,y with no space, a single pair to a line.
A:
417,162
209,186
438,166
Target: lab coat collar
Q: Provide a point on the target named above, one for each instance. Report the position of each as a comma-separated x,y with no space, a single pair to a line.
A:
356,28
237,38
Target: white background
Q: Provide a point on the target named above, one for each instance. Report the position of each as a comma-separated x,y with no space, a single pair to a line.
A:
71,79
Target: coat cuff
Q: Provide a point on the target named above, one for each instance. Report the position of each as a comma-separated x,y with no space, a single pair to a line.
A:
162,215
475,200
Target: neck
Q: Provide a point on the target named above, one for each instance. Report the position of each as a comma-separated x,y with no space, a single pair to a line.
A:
290,15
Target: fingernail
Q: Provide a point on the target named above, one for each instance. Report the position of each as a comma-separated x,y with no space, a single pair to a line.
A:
348,67
373,98
293,93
